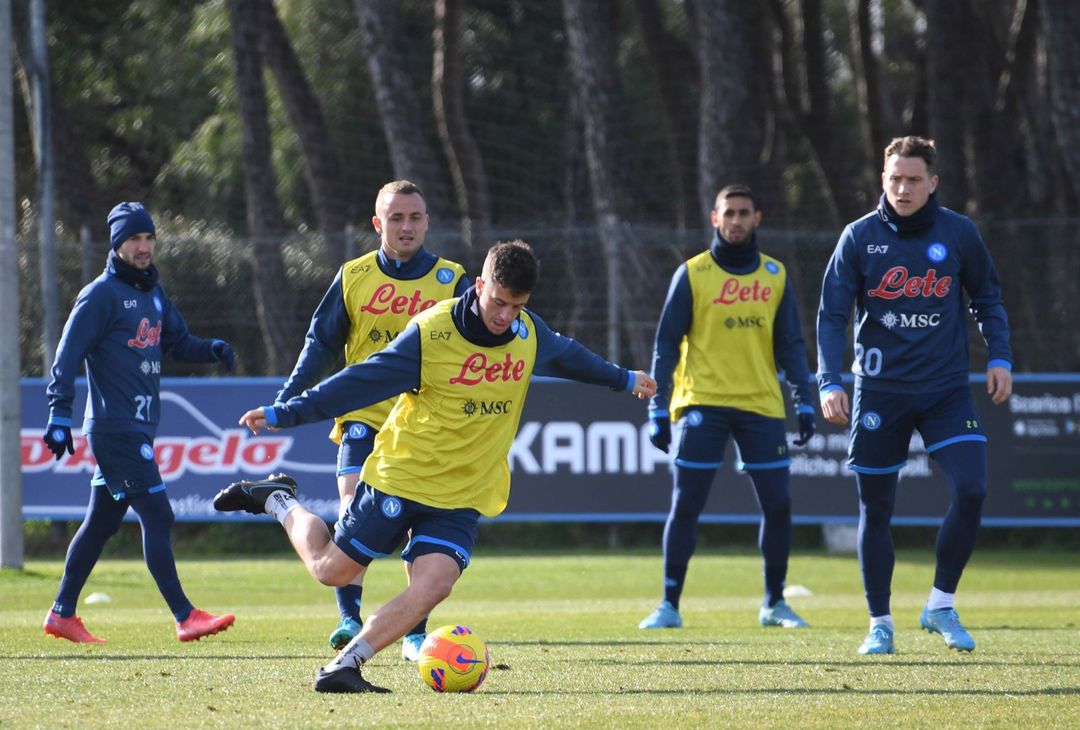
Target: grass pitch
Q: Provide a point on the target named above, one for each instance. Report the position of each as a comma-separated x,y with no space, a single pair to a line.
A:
566,650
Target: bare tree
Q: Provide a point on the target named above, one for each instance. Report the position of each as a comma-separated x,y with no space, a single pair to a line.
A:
948,41
875,120
412,152
1061,26
466,165
322,167
266,222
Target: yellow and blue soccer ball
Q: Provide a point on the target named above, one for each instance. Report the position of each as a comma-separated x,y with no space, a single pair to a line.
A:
454,659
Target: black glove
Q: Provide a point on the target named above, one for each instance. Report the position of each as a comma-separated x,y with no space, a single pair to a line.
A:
58,439
806,428
224,353
660,432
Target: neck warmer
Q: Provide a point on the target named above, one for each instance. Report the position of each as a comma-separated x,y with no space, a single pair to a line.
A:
466,315
912,225
735,258
141,280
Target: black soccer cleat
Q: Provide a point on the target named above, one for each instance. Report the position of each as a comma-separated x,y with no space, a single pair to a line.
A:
251,496
344,679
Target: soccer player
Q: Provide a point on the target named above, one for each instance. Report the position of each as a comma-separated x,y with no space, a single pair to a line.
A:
906,267
121,326
440,460
367,305
729,318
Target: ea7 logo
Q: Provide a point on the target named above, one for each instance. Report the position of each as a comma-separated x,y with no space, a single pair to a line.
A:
877,248
130,303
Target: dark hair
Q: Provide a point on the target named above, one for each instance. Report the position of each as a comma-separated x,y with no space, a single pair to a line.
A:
514,266
736,190
403,187
913,146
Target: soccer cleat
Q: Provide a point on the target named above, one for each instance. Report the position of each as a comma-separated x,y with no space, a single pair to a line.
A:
946,622
70,628
780,614
251,496
200,623
344,679
410,647
665,616
878,641
345,632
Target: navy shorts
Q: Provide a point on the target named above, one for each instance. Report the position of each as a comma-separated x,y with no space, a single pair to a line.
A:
125,464
882,424
357,441
703,431
376,523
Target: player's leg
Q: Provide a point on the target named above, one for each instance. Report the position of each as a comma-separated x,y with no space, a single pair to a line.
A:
440,548
414,637
951,432
104,516
881,430
357,441
702,434
763,455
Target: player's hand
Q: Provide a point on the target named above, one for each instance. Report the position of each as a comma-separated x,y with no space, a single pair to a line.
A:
806,428
224,353
835,406
999,384
254,419
660,432
644,385
58,439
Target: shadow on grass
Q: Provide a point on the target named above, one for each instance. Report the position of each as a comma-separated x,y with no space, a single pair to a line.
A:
157,657
808,692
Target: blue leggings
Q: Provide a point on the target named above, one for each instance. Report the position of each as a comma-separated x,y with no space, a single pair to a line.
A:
965,467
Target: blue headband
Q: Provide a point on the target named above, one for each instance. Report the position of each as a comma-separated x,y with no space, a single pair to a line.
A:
127,220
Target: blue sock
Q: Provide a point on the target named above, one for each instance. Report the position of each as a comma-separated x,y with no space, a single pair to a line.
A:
877,498
964,464
773,489
348,602
680,531
420,628
156,517
103,518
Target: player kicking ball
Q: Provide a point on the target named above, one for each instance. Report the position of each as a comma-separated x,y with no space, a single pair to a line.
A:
440,460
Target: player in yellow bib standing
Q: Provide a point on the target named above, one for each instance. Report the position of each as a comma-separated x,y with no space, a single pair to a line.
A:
368,304
462,369
729,318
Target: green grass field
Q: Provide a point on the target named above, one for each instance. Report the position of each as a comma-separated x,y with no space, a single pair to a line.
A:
565,648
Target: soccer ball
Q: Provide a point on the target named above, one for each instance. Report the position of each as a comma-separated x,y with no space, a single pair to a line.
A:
454,659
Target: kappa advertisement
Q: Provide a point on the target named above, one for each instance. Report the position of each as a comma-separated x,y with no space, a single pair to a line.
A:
581,453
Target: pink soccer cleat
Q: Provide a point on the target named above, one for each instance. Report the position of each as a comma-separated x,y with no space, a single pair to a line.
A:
70,628
200,623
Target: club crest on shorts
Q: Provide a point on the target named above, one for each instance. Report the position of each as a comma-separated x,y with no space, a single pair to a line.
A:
146,451
356,432
693,418
871,421
391,507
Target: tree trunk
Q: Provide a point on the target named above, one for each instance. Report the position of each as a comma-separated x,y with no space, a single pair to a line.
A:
322,167
466,165
1061,27
266,222
412,152
676,71
948,29
868,81
591,45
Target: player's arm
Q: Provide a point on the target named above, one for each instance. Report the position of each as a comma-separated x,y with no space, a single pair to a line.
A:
462,285
790,352
389,372
979,278
323,345
675,320
87,324
838,290
563,357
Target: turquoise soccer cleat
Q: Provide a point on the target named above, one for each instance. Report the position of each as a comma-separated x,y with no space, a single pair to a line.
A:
345,632
780,614
946,621
410,647
665,616
878,641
